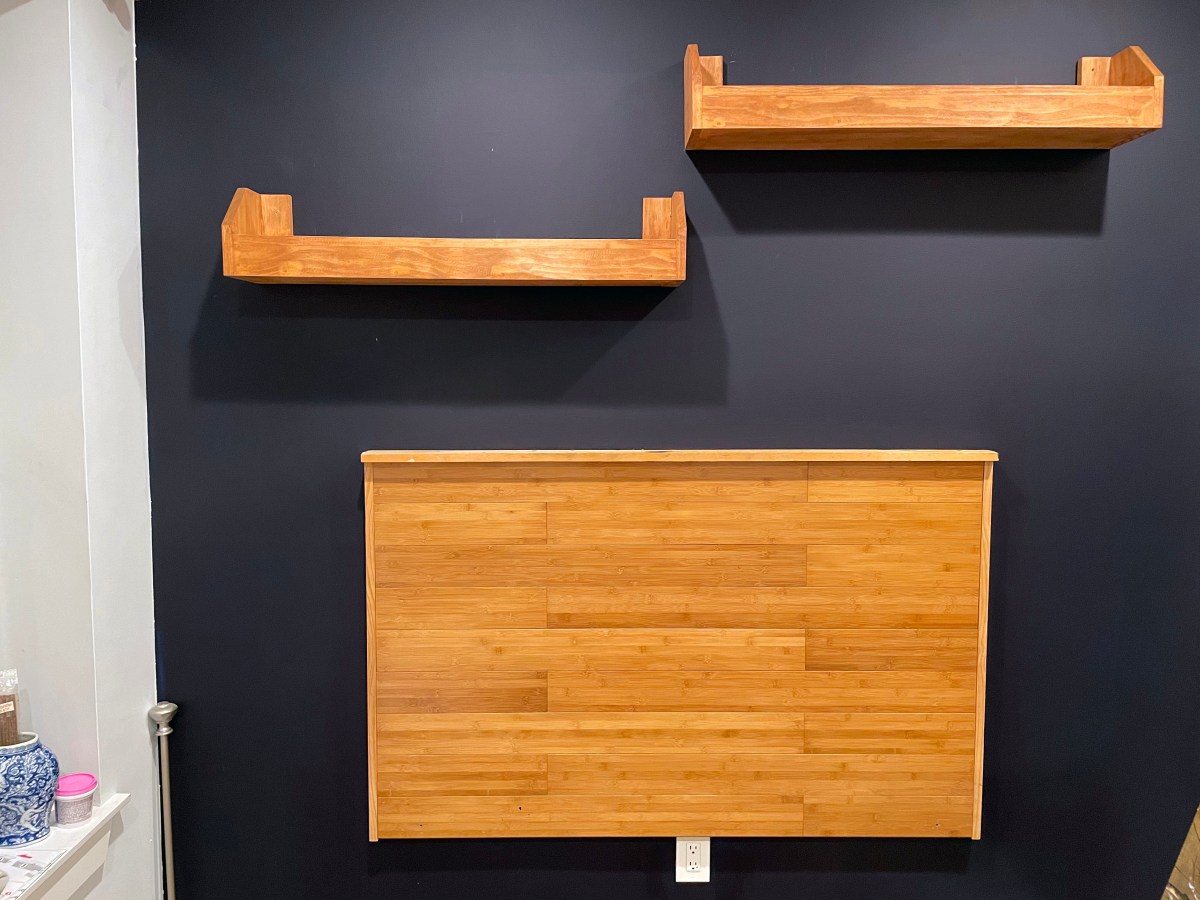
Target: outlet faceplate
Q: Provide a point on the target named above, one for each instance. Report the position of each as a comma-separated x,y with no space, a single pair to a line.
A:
692,859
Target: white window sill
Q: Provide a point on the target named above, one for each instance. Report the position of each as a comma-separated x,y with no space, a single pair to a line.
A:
81,851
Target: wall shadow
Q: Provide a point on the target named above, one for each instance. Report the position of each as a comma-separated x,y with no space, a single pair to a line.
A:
330,343
515,854
988,191
739,864
744,856
7,6
1008,505
732,857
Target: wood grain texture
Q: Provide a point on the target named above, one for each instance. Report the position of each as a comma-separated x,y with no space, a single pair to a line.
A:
556,815
916,733
775,774
566,482
462,523
945,565
257,244
760,691
751,607
526,565
592,650
865,482
664,218
426,606
1116,100
467,775
576,733
883,816
982,638
695,522
661,643
446,691
372,677
1093,71
849,649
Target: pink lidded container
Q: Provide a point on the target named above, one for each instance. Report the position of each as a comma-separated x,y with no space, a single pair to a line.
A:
73,800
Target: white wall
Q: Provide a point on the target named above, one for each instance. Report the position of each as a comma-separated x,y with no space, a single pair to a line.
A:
45,582
76,603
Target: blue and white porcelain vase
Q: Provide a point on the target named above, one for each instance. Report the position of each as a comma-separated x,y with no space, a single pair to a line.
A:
28,775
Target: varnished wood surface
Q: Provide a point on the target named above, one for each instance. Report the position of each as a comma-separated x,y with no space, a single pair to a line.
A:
372,679
1115,100
641,456
258,245
638,643
982,642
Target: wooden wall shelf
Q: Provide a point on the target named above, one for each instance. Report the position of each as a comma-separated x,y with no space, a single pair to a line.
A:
609,643
257,244
1115,100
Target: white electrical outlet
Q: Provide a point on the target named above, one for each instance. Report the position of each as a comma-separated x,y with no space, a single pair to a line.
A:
692,858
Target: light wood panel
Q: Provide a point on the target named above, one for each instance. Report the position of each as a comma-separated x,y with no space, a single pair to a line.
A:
774,774
1116,99
668,642
372,675
843,815
445,691
595,649
865,482
566,482
981,665
430,606
581,733
257,244
556,815
694,522
761,691
521,565
462,523
948,565
939,649
916,733
749,607
468,775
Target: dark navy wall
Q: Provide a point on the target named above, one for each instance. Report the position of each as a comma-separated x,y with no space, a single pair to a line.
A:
1041,304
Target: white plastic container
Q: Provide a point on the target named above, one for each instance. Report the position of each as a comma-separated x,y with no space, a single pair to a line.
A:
73,800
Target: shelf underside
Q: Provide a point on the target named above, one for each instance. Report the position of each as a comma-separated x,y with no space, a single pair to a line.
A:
258,245
1117,99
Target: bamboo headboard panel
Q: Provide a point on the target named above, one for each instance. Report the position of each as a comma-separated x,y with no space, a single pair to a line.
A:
603,643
